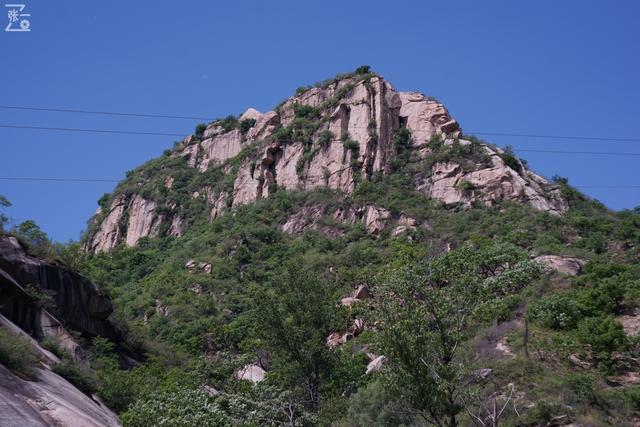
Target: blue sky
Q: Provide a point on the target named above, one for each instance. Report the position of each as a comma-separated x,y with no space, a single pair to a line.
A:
544,67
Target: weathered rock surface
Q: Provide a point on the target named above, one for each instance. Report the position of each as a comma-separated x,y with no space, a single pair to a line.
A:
359,119
452,185
320,218
78,302
253,373
376,364
564,265
50,400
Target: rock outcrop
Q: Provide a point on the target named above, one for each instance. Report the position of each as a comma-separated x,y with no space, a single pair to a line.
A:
334,135
570,266
78,304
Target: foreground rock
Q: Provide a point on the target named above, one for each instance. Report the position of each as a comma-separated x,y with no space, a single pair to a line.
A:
78,303
47,399
50,400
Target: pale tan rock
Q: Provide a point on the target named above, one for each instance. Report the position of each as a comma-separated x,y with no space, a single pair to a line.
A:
264,126
219,205
219,148
191,151
489,185
375,219
564,265
348,301
630,323
175,229
251,114
376,365
357,327
205,267
108,234
168,182
253,373
140,219
425,117
246,188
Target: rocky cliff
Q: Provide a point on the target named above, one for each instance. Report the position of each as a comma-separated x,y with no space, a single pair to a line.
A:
344,131
44,298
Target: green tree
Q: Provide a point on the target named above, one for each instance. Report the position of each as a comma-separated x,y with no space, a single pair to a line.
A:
293,316
427,312
4,203
30,233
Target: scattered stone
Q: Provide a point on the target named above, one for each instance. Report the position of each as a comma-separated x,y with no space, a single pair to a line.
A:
375,365
483,373
362,293
210,390
349,301
503,348
576,361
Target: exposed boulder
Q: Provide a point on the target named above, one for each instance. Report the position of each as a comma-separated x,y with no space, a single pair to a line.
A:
362,292
253,373
564,265
375,219
425,117
376,364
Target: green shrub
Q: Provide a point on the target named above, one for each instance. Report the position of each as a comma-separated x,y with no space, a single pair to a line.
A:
200,128
558,311
16,354
79,376
510,159
51,344
604,336
325,137
363,69
246,124
228,123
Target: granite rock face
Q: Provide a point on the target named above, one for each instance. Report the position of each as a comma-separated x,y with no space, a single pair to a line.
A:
47,399
334,135
79,304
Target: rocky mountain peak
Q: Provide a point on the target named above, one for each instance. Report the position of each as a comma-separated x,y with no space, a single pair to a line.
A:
336,134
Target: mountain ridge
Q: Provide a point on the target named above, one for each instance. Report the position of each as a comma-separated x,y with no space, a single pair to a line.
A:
352,128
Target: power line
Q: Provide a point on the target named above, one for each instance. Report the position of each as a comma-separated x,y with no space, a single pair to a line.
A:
208,119
116,180
587,138
22,178
105,113
127,132
112,131
595,153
